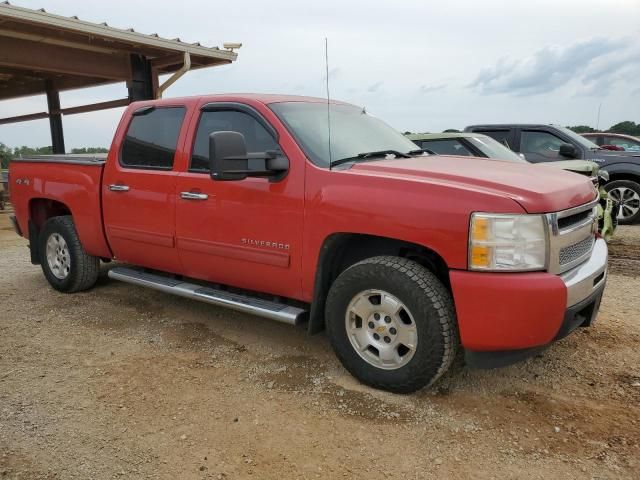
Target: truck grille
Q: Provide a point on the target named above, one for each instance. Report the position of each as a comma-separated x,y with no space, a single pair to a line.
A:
571,220
571,237
577,250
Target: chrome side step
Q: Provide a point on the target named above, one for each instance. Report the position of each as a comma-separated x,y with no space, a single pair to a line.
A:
242,303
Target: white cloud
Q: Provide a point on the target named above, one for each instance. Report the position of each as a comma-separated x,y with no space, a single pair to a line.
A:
596,62
415,55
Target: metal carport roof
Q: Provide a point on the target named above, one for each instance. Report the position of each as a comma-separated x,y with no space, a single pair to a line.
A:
43,53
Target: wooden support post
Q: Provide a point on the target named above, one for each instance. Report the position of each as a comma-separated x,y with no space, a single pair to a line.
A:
141,85
55,119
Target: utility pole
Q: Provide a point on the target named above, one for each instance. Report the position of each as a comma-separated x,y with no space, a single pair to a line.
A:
598,121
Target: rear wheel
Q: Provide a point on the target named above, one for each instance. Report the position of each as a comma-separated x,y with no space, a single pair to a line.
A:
392,324
627,194
65,264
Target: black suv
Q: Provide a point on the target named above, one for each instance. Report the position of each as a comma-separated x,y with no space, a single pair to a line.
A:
548,143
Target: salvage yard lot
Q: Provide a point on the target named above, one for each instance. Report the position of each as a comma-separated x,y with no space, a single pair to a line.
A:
123,382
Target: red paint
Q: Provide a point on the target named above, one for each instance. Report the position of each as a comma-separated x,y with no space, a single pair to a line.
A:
505,311
77,187
426,201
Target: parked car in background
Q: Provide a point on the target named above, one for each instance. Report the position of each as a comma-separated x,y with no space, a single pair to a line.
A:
464,144
627,143
241,201
479,145
553,143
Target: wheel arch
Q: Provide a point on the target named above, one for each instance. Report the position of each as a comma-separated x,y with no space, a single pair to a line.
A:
623,171
633,177
339,251
40,210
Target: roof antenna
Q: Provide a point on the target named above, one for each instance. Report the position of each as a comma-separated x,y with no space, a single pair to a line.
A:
326,65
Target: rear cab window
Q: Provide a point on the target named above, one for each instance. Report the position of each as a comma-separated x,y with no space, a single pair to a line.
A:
152,137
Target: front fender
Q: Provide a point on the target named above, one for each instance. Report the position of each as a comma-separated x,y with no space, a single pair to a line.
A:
623,168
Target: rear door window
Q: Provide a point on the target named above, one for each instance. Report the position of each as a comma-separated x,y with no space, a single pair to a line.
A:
151,139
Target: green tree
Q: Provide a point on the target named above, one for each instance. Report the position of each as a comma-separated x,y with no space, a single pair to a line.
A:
5,156
582,129
25,151
626,127
451,130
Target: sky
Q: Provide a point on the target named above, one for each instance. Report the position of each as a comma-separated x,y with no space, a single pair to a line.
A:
420,65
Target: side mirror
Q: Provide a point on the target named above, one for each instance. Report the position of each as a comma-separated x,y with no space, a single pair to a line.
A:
228,156
568,150
229,160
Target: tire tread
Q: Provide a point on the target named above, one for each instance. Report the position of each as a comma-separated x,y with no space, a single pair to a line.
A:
84,267
433,292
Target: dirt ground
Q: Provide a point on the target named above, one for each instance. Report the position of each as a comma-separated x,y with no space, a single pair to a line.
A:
124,382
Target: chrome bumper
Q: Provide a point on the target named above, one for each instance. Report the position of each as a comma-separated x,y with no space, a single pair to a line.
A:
587,277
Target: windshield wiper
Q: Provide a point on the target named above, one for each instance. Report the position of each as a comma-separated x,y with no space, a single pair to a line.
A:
365,155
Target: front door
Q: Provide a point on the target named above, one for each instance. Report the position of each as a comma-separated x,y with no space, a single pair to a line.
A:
139,190
245,233
540,146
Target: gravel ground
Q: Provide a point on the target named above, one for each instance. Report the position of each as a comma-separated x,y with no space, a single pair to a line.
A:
124,382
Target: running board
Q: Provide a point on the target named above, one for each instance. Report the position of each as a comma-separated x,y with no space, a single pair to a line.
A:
242,303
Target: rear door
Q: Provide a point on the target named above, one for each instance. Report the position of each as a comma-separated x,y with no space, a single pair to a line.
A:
139,189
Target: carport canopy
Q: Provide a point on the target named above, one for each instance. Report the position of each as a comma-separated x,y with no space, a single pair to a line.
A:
43,53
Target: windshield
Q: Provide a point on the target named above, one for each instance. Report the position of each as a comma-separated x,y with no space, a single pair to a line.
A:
494,149
577,138
353,131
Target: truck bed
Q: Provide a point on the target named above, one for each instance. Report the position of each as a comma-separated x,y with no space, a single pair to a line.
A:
66,185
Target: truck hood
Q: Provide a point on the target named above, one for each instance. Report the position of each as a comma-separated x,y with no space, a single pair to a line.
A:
537,190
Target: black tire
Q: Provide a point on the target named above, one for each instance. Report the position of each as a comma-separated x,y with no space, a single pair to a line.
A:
83,268
430,305
635,202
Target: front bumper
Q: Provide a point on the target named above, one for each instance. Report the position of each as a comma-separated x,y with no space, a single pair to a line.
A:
506,317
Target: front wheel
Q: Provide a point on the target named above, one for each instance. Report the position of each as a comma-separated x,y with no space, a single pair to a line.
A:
627,194
392,324
65,264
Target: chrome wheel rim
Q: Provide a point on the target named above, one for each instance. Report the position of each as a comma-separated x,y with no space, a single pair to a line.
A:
628,199
58,256
381,329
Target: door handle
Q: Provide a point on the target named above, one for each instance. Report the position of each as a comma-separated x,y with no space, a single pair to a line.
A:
193,196
118,188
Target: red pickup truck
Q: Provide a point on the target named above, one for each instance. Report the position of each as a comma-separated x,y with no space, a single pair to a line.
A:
242,201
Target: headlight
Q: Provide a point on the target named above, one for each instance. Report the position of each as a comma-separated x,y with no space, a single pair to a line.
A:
502,242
